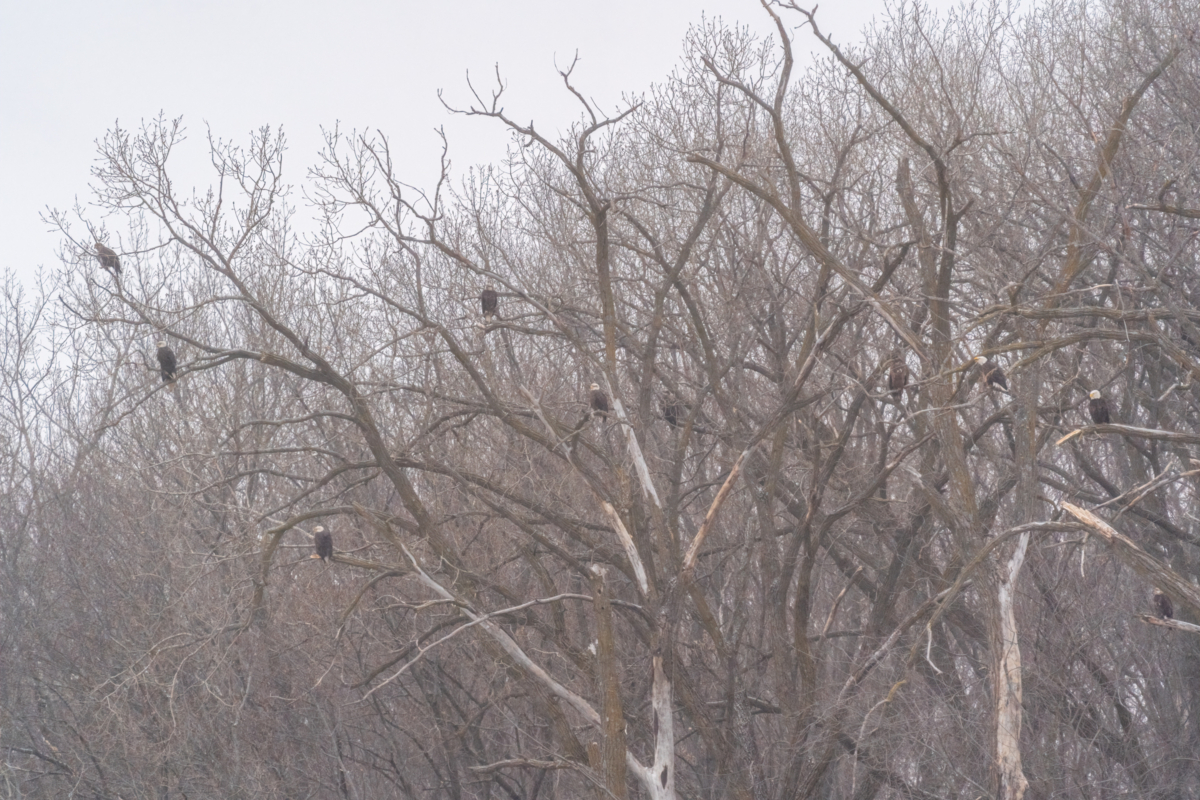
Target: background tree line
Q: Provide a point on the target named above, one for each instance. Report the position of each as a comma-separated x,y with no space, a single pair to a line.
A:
762,574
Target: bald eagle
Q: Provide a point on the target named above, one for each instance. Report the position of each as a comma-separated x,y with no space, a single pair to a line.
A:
992,374
1098,408
323,540
489,302
1163,605
108,258
673,411
598,400
897,378
166,362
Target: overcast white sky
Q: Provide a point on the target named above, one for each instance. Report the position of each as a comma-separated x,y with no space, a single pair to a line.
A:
69,69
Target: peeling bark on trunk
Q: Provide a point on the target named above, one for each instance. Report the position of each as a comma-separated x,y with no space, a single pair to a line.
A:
1008,682
664,734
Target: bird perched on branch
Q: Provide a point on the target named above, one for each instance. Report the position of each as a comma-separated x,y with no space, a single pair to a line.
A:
489,301
1098,408
598,401
897,378
992,374
1163,605
673,411
166,362
108,258
323,540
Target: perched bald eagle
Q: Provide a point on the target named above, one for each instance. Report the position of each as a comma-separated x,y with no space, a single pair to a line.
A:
673,411
489,302
598,400
1098,408
108,258
897,378
1163,605
166,362
992,374
323,540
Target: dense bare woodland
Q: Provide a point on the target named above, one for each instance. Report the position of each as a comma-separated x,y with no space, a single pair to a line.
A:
809,551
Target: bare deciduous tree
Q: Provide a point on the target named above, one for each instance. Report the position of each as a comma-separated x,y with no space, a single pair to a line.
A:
763,572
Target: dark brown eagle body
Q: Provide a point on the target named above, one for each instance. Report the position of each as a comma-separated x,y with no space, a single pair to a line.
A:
1098,408
166,362
1163,605
489,301
108,258
673,411
992,374
323,540
598,401
897,379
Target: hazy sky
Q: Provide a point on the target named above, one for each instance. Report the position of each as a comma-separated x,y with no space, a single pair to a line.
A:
70,69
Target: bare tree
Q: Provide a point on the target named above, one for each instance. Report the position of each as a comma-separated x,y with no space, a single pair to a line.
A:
763,572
